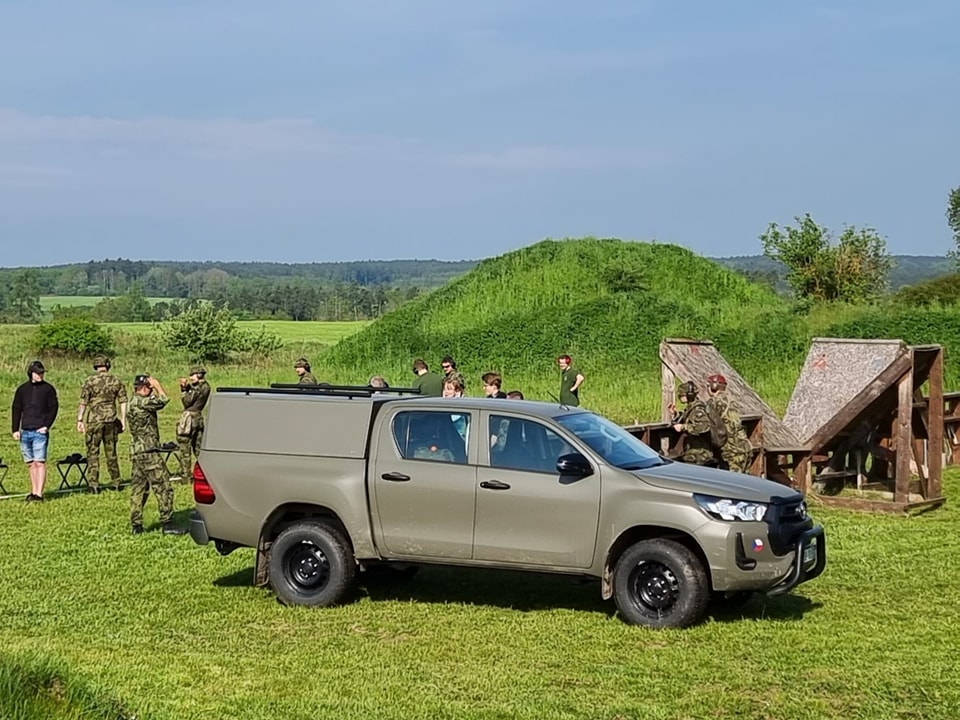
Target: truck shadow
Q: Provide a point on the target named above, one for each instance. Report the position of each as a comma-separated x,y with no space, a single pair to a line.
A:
527,592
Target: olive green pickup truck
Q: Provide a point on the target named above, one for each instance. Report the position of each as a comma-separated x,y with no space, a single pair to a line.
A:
331,481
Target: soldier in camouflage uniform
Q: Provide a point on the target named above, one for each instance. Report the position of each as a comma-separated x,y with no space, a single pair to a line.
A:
736,450
149,469
99,421
696,424
302,366
194,393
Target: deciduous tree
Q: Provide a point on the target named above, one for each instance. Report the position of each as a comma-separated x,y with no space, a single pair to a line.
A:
853,268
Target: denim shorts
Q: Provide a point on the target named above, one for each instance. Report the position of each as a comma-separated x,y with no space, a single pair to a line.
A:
34,445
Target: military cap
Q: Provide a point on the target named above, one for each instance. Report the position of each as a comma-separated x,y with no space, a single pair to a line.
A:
141,380
101,361
302,363
198,370
717,379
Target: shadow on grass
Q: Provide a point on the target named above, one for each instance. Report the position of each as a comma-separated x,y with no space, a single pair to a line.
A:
527,592
762,607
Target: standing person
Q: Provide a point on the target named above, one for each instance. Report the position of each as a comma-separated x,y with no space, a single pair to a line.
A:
35,408
194,393
302,366
100,422
149,470
570,381
695,422
450,372
428,383
491,385
735,452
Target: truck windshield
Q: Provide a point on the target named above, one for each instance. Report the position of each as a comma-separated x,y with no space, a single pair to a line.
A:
610,441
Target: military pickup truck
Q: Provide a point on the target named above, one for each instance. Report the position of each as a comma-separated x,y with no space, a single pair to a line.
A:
328,482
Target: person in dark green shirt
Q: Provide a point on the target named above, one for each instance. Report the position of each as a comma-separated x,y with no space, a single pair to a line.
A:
570,381
428,383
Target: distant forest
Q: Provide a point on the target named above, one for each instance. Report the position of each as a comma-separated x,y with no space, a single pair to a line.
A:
300,291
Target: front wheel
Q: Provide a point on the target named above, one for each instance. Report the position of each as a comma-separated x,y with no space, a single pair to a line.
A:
311,563
660,583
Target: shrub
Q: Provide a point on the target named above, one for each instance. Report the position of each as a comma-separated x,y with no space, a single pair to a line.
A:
73,334
260,342
203,332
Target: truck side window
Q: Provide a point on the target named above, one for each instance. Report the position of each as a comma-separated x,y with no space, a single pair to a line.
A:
520,444
432,435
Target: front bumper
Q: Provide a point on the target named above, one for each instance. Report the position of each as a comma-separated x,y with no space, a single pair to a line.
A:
198,529
802,570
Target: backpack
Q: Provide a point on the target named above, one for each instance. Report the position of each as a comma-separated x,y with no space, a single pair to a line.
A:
718,428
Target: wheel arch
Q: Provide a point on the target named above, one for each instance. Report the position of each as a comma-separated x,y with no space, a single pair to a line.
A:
281,517
633,535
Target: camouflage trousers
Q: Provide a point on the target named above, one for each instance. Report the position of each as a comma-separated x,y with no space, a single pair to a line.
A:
150,472
105,434
190,447
736,456
697,456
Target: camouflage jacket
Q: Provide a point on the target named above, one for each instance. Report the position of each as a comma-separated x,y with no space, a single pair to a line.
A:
696,423
194,396
308,379
142,422
101,393
736,435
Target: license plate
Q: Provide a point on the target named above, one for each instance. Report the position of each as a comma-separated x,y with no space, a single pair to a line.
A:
809,555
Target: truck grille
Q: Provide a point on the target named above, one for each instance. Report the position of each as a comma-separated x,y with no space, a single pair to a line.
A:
794,512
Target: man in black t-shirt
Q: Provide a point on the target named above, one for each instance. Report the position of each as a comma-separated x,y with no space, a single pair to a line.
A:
35,408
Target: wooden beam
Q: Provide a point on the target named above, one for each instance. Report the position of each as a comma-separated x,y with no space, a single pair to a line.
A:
901,493
935,429
668,391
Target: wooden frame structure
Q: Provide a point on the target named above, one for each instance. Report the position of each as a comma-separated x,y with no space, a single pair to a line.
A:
862,418
884,433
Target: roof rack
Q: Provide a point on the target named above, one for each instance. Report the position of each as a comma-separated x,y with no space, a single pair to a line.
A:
321,389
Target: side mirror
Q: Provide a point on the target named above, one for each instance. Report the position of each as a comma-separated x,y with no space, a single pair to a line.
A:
574,464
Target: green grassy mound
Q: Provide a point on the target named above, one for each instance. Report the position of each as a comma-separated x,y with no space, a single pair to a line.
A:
606,302
35,688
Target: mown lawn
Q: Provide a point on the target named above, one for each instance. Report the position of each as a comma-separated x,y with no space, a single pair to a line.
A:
172,630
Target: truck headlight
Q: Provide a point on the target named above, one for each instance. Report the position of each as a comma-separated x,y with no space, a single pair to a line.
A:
723,509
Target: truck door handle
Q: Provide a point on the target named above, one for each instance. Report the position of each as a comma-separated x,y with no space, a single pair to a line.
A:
395,477
494,485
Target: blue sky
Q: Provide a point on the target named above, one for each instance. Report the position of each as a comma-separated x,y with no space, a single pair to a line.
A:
377,129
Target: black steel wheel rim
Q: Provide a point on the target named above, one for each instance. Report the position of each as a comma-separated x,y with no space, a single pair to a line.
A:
654,587
307,566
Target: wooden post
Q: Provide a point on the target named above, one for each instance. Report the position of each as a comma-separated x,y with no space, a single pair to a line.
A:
668,392
935,429
903,435
668,397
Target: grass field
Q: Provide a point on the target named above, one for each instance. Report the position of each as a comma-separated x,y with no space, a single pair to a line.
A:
174,631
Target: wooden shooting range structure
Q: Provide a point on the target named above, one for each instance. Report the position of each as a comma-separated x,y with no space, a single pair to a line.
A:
857,428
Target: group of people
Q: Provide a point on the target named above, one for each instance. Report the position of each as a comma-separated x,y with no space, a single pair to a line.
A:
453,384
713,426
104,412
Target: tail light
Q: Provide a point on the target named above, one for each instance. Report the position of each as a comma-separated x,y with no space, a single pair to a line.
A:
202,492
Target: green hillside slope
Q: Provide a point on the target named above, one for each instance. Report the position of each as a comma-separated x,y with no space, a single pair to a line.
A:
606,302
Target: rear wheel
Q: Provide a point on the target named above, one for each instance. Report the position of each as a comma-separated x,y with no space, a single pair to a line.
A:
311,563
660,583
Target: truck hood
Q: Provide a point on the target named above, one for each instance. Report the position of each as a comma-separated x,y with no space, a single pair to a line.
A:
687,477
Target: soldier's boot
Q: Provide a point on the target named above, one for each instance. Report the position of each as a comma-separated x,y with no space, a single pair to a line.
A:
171,529
137,530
